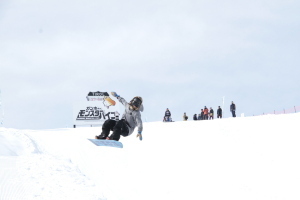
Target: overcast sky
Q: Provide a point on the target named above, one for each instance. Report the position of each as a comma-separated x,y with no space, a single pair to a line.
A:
181,55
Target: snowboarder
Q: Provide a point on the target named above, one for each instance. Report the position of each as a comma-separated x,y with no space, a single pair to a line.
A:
130,119
232,109
219,112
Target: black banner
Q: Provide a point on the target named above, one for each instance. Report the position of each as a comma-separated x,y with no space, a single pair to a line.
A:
97,94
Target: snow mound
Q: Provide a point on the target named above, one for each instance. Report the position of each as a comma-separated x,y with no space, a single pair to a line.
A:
234,158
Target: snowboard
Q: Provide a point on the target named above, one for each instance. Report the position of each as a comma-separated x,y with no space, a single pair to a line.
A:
106,143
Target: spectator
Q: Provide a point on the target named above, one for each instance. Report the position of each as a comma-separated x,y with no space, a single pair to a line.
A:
202,114
195,117
167,115
185,117
205,113
211,114
199,116
232,109
219,112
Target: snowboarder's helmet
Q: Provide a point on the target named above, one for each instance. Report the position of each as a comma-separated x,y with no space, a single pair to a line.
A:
136,102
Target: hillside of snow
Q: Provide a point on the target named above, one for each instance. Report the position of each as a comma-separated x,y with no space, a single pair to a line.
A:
234,158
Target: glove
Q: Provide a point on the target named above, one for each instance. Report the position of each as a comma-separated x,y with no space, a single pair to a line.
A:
115,94
139,135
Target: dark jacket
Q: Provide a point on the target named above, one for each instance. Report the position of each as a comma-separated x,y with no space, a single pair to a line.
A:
219,111
202,115
232,107
195,117
167,113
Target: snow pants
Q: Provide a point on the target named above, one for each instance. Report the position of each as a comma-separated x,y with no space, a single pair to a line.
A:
118,127
233,113
205,116
167,118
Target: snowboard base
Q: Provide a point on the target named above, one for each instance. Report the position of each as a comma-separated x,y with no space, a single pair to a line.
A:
106,143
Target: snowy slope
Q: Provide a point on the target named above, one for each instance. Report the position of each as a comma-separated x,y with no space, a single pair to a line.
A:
241,158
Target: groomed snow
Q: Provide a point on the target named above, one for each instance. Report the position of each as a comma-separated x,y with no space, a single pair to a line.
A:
235,158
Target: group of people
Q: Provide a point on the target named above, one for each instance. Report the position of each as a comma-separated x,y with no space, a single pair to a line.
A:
206,114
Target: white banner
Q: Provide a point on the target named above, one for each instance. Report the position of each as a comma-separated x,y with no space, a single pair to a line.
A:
96,112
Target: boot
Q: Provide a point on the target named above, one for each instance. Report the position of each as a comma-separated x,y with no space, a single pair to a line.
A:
115,137
103,136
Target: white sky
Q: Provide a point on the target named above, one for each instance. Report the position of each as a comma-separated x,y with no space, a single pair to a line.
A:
181,55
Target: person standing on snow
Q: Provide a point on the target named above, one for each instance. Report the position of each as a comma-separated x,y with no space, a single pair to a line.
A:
219,112
202,115
211,113
130,119
167,115
205,113
232,109
199,116
185,117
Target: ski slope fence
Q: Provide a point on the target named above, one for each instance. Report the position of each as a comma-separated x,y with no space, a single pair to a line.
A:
295,109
